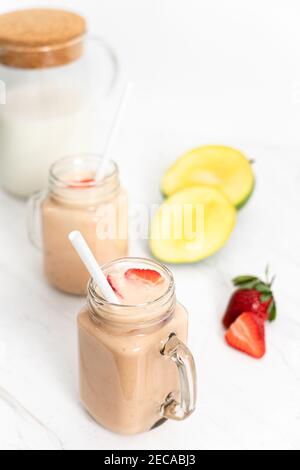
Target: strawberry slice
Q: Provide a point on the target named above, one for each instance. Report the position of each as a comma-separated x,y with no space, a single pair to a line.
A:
145,275
113,285
247,334
82,183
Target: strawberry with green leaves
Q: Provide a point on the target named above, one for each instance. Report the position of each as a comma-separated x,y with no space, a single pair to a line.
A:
250,306
252,295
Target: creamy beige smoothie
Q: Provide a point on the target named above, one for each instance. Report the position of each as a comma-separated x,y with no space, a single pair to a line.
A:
75,201
125,380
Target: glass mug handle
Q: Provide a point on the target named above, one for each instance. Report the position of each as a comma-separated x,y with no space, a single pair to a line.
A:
34,218
178,352
111,57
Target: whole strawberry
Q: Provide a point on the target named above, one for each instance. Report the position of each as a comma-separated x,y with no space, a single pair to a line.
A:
252,295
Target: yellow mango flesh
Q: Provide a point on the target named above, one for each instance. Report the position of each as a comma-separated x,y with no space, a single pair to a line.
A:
221,167
191,225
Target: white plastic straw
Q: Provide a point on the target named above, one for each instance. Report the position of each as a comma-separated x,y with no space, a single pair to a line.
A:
92,266
101,172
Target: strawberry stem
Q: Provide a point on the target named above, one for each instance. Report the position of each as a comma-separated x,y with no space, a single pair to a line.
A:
248,282
267,272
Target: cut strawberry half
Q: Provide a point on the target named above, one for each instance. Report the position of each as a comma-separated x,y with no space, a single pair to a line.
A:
145,275
113,285
247,334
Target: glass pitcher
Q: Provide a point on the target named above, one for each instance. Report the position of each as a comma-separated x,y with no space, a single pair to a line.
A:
52,91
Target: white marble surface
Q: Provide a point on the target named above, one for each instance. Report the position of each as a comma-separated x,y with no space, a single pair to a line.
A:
230,98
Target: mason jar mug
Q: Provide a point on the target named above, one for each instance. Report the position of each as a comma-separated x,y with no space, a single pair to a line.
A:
135,368
74,200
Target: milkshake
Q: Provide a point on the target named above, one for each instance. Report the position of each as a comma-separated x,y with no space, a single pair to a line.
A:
135,370
37,125
74,200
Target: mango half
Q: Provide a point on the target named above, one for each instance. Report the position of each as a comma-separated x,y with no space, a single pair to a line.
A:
191,225
217,166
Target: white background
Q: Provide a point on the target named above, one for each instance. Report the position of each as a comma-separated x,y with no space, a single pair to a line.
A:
205,71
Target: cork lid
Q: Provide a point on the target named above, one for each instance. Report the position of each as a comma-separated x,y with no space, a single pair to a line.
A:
39,38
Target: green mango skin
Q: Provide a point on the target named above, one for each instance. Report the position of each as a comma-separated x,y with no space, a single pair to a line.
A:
247,198
239,206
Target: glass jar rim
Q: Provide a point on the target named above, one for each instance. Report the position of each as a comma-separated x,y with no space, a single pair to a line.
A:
102,302
54,179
